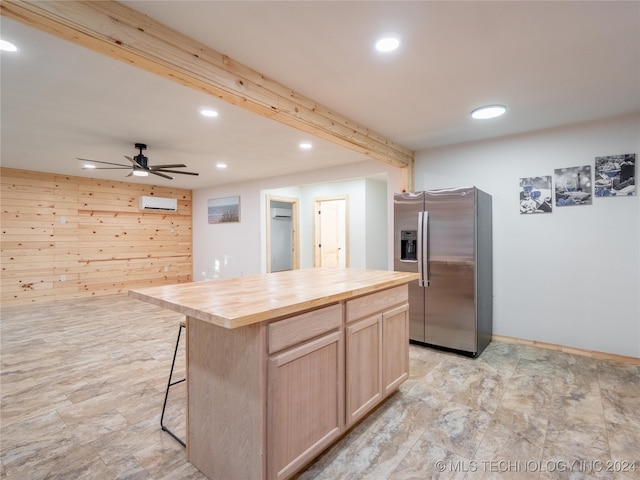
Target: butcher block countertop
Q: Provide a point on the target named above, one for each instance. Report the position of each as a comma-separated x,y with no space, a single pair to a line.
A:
237,302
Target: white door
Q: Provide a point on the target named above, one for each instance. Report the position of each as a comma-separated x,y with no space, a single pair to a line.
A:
331,233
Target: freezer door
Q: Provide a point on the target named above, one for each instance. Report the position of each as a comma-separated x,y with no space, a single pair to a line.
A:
407,209
450,296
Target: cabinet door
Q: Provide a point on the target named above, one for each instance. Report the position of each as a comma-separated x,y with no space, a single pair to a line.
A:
363,366
395,348
305,403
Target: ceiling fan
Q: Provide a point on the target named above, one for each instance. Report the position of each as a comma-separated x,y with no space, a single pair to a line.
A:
140,165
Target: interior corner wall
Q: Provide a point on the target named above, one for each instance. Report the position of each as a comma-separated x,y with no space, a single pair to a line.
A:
236,249
367,219
354,191
570,277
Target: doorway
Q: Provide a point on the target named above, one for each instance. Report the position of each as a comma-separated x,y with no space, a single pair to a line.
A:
331,232
282,234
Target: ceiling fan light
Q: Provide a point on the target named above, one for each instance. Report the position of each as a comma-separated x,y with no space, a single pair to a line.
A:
488,111
140,173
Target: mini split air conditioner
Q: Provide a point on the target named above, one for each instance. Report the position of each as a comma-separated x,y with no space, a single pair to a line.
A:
159,204
280,213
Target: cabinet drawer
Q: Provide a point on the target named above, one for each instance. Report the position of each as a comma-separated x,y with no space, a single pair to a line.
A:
291,331
376,302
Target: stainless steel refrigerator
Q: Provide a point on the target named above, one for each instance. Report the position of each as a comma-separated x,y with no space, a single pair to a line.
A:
446,236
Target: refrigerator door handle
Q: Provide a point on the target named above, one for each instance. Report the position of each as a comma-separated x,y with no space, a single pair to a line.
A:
425,245
423,249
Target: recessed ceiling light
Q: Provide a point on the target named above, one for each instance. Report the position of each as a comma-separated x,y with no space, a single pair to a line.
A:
221,165
388,44
7,46
488,111
207,112
141,173
305,146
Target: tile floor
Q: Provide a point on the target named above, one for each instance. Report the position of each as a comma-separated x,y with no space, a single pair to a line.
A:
82,384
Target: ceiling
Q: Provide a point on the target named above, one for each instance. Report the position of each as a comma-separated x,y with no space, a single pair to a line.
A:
550,63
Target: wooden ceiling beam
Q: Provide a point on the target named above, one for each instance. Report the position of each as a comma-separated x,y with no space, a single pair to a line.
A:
113,29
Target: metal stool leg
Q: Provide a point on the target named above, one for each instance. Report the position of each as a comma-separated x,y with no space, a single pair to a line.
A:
171,384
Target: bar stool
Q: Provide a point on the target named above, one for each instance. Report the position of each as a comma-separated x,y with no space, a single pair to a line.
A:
171,384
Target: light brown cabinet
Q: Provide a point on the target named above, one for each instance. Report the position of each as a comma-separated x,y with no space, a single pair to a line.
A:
363,367
377,351
395,348
316,392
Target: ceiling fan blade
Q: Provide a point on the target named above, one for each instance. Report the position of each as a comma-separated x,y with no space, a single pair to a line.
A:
134,162
161,174
174,171
98,161
175,165
106,168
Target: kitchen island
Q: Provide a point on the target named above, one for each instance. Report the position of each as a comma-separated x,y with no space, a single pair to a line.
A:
280,365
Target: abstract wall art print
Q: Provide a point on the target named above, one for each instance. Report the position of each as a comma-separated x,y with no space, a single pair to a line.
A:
535,195
616,175
573,186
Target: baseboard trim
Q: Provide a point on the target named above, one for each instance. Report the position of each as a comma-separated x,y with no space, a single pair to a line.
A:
576,351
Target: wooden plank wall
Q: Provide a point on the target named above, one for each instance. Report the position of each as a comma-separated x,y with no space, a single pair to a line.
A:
92,232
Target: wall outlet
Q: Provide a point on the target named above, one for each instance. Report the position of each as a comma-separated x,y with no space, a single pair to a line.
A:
63,220
166,269
63,278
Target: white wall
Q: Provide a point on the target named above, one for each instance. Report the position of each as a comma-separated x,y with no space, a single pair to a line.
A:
570,277
237,249
377,226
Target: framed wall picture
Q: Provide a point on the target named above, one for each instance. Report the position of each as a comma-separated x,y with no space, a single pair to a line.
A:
535,195
573,186
223,210
616,175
